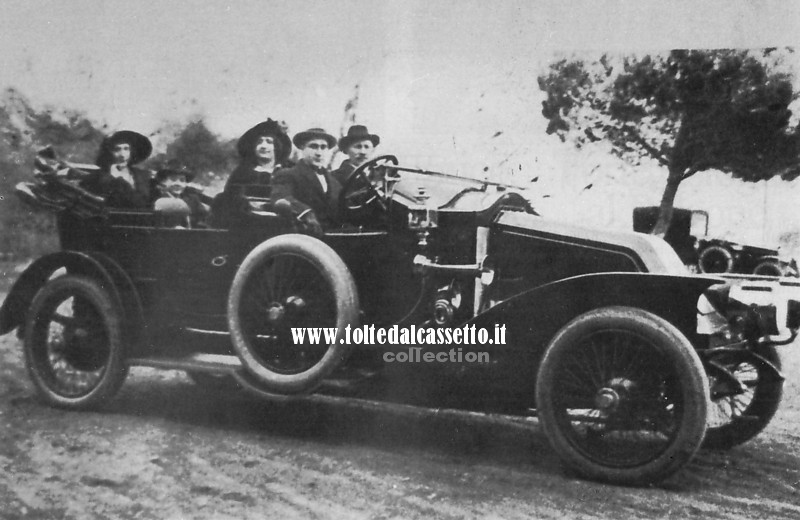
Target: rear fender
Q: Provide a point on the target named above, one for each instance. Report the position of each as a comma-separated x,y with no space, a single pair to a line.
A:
97,266
533,317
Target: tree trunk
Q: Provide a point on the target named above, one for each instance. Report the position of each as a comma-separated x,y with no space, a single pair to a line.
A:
667,201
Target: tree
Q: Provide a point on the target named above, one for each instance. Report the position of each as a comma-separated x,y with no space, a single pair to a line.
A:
198,149
691,111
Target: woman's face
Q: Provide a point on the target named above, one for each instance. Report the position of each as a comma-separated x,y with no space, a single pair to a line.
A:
265,149
175,184
121,153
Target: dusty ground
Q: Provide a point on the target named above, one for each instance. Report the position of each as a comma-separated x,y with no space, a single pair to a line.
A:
164,449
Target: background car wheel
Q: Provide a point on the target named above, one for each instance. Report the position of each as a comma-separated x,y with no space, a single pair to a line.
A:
73,343
735,418
769,268
622,396
715,259
291,281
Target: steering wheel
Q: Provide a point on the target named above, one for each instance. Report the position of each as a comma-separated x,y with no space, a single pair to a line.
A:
366,185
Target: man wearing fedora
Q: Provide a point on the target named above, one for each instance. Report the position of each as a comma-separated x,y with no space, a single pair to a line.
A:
359,145
118,180
308,186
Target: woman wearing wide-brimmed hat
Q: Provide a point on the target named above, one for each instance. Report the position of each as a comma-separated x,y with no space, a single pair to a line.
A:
262,149
118,180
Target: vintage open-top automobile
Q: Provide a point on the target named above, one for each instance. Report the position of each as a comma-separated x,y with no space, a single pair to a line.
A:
629,362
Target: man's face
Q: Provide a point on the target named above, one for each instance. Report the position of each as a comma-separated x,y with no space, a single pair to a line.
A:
121,152
360,152
315,152
265,149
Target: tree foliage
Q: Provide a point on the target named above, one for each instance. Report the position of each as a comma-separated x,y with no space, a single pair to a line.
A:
26,232
690,110
198,149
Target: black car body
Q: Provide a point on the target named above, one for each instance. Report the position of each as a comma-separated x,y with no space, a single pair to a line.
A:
603,337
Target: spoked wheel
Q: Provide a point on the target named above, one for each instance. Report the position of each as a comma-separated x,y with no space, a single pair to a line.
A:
288,285
715,259
622,396
741,409
73,343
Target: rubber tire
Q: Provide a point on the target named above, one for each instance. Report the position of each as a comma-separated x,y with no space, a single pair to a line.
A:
766,401
668,339
335,273
116,370
702,259
769,268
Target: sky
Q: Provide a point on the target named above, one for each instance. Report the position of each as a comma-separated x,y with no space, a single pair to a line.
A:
438,79
138,63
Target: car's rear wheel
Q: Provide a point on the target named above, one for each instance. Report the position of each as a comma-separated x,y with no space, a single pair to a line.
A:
291,283
769,268
622,396
715,259
73,343
738,415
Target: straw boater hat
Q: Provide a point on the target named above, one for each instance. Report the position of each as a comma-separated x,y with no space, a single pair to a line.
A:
313,133
357,133
141,148
247,143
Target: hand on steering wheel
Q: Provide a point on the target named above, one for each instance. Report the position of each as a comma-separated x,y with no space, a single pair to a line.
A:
366,185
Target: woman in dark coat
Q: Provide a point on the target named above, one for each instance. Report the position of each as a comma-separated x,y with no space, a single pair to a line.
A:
121,183
262,149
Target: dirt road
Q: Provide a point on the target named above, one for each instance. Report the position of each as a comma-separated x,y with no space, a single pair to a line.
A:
164,449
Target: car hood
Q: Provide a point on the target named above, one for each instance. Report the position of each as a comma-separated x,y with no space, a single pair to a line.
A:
651,251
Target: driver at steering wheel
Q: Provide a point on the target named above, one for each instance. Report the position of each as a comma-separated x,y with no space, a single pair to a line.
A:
310,189
359,145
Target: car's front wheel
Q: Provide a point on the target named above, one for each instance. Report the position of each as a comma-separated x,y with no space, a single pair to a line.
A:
73,343
288,286
770,268
622,396
740,412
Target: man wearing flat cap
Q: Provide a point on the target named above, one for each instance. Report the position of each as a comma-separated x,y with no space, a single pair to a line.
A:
359,145
118,180
308,186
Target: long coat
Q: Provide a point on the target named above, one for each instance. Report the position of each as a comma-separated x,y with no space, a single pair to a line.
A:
300,186
117,192
343,171
246,175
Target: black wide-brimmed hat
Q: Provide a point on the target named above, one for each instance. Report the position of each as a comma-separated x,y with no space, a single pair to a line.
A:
302,138
247,143
141,148
357,133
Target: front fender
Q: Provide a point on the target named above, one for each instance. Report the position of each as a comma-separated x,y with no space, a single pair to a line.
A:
94,265
534,316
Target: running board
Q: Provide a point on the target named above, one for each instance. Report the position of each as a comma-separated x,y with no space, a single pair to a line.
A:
193,363
229,366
